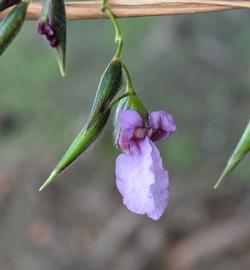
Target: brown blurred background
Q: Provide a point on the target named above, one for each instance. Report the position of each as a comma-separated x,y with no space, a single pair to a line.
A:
196,67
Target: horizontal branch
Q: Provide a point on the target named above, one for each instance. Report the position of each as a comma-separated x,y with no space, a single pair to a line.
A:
138,8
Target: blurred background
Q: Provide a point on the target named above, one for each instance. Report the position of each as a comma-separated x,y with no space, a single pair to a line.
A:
197,68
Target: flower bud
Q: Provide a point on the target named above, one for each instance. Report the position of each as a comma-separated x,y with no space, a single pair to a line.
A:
52,25
4,4
12,24
242,149
131,102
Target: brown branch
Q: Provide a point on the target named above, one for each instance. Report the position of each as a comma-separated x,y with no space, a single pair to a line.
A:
138,8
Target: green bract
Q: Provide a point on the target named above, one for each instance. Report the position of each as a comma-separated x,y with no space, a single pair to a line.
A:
137,105
108,87
58,21
12,24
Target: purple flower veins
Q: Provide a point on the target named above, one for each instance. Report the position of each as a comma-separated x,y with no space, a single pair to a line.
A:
48,31
140,176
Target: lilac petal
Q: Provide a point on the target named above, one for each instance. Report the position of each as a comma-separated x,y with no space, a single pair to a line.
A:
142,180
124,140
130,119
163,125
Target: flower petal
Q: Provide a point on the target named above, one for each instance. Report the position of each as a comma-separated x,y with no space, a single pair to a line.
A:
163,125
130,119
142,180
124,140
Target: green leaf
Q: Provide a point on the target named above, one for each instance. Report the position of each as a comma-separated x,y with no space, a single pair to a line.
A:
239,153
4,4
58,22
11,25
85,138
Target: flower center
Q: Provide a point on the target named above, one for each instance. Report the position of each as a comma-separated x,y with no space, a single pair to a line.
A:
140,133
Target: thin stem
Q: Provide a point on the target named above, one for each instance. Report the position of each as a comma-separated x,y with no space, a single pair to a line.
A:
118,33
119,40
114,102
130,87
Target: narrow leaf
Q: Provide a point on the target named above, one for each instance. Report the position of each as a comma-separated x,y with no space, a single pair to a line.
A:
4,4
11,25
239,153
85,138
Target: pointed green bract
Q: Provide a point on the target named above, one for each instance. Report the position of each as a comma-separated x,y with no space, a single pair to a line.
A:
12,24
58,22
85,138
239,153
109,86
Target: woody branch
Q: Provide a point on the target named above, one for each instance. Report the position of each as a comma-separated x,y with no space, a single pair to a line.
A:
137,8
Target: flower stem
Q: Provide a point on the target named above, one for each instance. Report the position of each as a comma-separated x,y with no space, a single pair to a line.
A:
114,102
130,87
118,33
118,39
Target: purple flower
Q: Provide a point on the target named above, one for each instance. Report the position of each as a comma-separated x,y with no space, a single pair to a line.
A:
140,176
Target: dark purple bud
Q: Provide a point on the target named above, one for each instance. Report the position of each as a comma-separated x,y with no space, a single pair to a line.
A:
40,28
48,32
52,25
53,42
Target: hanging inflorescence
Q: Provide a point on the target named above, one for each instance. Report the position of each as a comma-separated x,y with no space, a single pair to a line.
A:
141,177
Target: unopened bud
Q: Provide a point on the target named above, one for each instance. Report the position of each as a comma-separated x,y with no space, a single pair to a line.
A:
52,25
